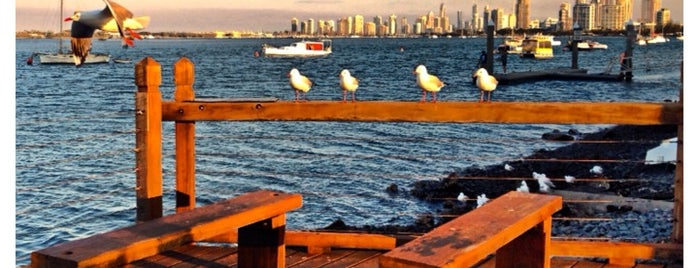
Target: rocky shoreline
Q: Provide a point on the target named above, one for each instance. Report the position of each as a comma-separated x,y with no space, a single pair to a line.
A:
642,194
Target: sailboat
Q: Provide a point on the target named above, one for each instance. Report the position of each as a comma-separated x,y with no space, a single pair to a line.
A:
62,57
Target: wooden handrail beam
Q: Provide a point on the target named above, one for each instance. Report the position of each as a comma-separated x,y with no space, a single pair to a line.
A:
440,112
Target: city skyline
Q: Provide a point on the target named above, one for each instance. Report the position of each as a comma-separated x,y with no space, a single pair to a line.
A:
219,15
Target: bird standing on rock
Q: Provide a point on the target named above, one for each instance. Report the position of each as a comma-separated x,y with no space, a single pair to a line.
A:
113,18
485,82
300,83
427,82
348,83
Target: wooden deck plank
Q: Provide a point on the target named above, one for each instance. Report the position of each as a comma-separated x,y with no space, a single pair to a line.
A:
323,259
588,264
356,257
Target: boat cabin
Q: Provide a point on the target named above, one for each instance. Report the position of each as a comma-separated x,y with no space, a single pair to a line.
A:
537,47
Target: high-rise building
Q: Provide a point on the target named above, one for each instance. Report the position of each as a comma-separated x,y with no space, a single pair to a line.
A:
310,27
459,19
486,18
596,4
522,13
583,15
612,17
392,25
378,22
430,21
662,17
498,17
649,8
476,20
564,21
358,25
294,25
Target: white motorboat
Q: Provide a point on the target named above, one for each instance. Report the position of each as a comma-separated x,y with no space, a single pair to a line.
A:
304,48
588,45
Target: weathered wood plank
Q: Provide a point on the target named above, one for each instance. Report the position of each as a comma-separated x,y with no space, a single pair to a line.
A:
139,241
325,240
448,111
622,253
149,182
468,239
185,195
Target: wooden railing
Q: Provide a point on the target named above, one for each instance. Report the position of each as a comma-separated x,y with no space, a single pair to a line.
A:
185,110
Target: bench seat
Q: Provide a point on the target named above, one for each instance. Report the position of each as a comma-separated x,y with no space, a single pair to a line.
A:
515,226
257,211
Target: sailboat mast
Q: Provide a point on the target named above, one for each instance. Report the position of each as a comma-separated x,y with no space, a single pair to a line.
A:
60,32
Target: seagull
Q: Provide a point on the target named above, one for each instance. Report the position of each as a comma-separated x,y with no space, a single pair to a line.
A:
523,188
508,167
569,179
481,200
113,18
545,183
427,82
300,83
348,83
485,82
462,197
596,170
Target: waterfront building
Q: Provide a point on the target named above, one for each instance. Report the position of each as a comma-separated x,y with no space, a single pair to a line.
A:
550,23
460,20
534,24
343,26
486,17
405,26
358,25
522,13
497,15
596,8
392,25
310,27
612,17
378,22
662,17
564,21
294,25
369,29
649,10
583,15
476,19
511,21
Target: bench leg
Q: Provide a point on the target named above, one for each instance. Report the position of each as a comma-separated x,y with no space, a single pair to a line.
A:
530,250
261,244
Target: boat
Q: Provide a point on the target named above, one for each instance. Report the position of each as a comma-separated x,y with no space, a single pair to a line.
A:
537,47
512,45
61,57
588,45
656,39
302,48
121,60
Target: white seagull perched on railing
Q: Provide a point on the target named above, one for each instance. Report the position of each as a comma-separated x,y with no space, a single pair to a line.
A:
300,83
569,179
427,82
485,82
113,18
348,83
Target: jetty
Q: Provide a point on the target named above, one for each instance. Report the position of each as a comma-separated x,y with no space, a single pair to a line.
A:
249,230
564,73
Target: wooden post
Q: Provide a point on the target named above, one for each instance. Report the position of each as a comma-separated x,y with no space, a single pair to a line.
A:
149,177
626,63
490,46
261,245
678,211
536,242
184,139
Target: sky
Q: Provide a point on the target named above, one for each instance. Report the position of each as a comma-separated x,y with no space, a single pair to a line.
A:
227,15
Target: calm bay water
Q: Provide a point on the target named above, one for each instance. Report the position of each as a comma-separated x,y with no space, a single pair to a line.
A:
75,128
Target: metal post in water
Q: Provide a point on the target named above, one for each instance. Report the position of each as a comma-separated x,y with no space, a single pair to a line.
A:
490,46
574,45
627,56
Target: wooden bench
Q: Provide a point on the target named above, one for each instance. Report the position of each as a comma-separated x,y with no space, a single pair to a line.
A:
515,226
258,216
